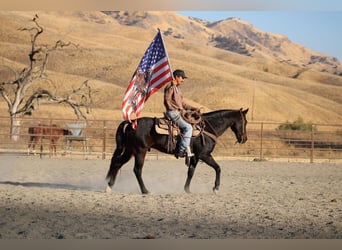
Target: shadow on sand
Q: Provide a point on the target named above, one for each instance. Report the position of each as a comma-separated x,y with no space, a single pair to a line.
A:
49,185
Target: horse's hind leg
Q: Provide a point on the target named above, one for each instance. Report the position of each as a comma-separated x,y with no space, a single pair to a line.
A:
138,165
116,163
34,146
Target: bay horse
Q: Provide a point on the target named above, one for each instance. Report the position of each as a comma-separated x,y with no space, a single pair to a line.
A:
130,142
49,132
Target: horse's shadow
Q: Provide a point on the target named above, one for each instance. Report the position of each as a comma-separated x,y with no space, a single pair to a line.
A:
48,185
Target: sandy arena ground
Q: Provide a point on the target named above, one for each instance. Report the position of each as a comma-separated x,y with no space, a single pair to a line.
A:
65,199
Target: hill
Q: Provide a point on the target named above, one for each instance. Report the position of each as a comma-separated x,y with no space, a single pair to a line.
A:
278,80
231,34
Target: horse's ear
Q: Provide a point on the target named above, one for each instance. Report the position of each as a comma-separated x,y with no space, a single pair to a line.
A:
245,111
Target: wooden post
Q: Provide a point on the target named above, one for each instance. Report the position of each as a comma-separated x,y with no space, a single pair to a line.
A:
104,140
50,139
312,144
261,141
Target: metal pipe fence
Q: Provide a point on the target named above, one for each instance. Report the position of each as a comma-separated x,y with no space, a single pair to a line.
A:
322,142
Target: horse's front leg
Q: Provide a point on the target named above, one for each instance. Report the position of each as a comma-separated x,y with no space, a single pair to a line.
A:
32,146
53,150
34,149
212,163
191,171
138,165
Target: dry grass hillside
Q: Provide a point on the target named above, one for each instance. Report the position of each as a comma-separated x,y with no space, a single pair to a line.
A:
110,51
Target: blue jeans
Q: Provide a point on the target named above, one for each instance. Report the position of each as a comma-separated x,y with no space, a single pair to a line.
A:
185,127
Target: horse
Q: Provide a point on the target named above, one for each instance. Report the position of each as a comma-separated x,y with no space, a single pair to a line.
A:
43,131
130,142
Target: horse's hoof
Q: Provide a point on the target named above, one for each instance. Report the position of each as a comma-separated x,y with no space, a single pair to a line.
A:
108,190
216,191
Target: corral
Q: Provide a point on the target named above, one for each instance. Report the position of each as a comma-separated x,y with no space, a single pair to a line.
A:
278,185
322,143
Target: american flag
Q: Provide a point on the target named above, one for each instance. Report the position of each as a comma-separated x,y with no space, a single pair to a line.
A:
152,73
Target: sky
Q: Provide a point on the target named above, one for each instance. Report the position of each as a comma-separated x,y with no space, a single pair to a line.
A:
319,31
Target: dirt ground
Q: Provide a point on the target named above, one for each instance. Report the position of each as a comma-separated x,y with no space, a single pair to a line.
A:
62,198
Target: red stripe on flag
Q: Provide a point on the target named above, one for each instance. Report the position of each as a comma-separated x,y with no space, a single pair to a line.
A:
163,64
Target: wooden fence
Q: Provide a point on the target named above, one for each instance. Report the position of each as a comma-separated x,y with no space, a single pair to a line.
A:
265,142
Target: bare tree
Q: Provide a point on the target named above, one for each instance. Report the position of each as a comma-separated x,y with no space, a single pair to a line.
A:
22,102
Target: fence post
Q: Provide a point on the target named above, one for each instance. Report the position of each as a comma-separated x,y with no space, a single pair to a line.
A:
50,140
312,144
261,141
104,140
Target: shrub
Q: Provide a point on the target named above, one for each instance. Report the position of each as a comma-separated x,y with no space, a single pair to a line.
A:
339,132
297,125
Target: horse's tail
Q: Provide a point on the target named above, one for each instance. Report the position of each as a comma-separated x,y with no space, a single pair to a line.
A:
120,139
120,147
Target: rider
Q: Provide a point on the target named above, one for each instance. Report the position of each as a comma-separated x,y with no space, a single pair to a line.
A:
174,104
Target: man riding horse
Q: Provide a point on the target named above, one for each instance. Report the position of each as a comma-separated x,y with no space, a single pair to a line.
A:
175,106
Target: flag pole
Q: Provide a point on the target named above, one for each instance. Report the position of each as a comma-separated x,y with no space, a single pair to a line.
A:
167,55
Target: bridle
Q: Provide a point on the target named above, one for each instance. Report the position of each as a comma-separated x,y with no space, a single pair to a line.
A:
242,135
214,135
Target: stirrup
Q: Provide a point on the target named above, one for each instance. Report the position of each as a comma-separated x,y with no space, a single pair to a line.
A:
188,152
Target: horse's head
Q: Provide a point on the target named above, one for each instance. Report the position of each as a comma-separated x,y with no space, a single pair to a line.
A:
239,126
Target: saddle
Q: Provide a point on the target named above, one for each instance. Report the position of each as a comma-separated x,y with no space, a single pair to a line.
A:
165,126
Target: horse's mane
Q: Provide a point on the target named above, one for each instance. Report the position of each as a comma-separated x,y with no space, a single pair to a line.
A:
216,113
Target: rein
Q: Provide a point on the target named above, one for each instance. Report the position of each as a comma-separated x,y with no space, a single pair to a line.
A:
213,136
